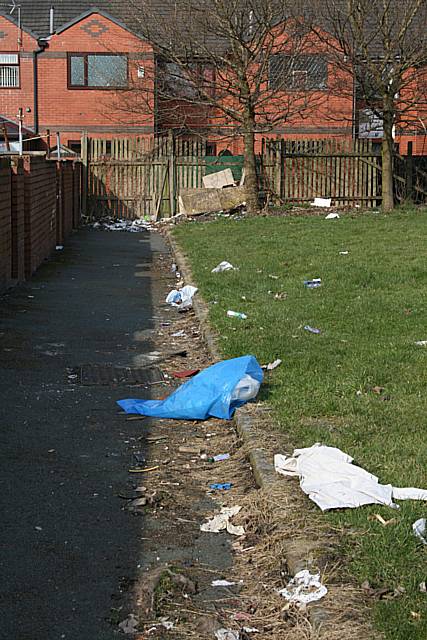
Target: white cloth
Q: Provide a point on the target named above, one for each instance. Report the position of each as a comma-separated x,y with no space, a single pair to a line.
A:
329,478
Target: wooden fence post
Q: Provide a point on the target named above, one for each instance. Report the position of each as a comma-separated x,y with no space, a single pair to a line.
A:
409,182
171,168
84,174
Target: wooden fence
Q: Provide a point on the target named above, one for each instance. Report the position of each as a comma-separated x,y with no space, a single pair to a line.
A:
348,171
136,177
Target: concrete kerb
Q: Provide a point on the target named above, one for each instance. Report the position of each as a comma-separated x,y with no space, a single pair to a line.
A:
301,554
262,467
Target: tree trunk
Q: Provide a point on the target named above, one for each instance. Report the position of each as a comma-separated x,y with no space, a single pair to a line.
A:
251,180
387,153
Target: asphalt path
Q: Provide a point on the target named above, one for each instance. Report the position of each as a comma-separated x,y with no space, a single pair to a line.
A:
67,548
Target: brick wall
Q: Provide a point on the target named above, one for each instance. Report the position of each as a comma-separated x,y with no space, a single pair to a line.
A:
68,198
40,211
5,225
18,229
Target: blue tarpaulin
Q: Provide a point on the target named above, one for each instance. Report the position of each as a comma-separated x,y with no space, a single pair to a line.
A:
209,393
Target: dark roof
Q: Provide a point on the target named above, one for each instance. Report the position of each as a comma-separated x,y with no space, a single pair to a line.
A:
35,14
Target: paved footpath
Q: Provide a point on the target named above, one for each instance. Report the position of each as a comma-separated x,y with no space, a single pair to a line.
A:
66,546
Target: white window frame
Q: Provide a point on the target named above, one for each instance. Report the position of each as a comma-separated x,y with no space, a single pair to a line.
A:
9,71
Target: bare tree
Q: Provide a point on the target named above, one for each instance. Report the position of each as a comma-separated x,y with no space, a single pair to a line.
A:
233,67
384,44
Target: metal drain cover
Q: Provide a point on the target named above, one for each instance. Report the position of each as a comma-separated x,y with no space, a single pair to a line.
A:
108,374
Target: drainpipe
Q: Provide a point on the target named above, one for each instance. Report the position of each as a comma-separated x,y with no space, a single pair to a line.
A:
42,46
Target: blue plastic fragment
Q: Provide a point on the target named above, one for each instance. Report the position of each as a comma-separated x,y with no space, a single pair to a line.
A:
209,393
221,486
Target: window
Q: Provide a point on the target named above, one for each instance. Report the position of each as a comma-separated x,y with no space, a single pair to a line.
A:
97,71
297,73
9,70
192,80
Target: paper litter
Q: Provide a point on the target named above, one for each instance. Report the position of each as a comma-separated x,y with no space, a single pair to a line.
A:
226,634
329,478
343,253
272,365
304,587
332,216
182,298
321,202
222,583
419,529
224,266
421,343
222,521
251,630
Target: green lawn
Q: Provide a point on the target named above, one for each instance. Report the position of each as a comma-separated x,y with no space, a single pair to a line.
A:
371,308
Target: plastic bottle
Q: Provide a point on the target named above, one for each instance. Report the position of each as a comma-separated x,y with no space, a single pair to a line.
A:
236,314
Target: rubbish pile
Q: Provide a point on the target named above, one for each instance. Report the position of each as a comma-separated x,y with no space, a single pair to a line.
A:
132,226
182,298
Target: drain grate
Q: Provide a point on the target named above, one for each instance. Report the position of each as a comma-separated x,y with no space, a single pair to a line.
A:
108,374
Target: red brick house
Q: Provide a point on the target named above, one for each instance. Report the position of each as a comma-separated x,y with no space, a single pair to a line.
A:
65,69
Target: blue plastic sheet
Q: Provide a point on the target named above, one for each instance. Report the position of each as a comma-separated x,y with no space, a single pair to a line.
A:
209,393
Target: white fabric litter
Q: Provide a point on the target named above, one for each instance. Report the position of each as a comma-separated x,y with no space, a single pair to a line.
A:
222,521
304,587
332,482
223,266
419,529
226,634
332,216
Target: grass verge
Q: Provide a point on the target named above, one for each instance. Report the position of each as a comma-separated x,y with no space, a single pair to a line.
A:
360,384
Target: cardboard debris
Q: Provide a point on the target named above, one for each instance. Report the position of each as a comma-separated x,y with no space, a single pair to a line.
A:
193,202
219,180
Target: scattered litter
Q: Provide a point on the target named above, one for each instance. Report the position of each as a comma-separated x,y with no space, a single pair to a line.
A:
422,587
251,630
332,216
182,298
421,343
329,478
59,247
219,458
218,486
224,266
129,624
419,529
272,365
313,284
179,334
133,226
222,583
236,314
270,275
415,615
174,268
185,374
321,202
304,587
222,521
146,470
312,329
216,391
344,253
226,634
